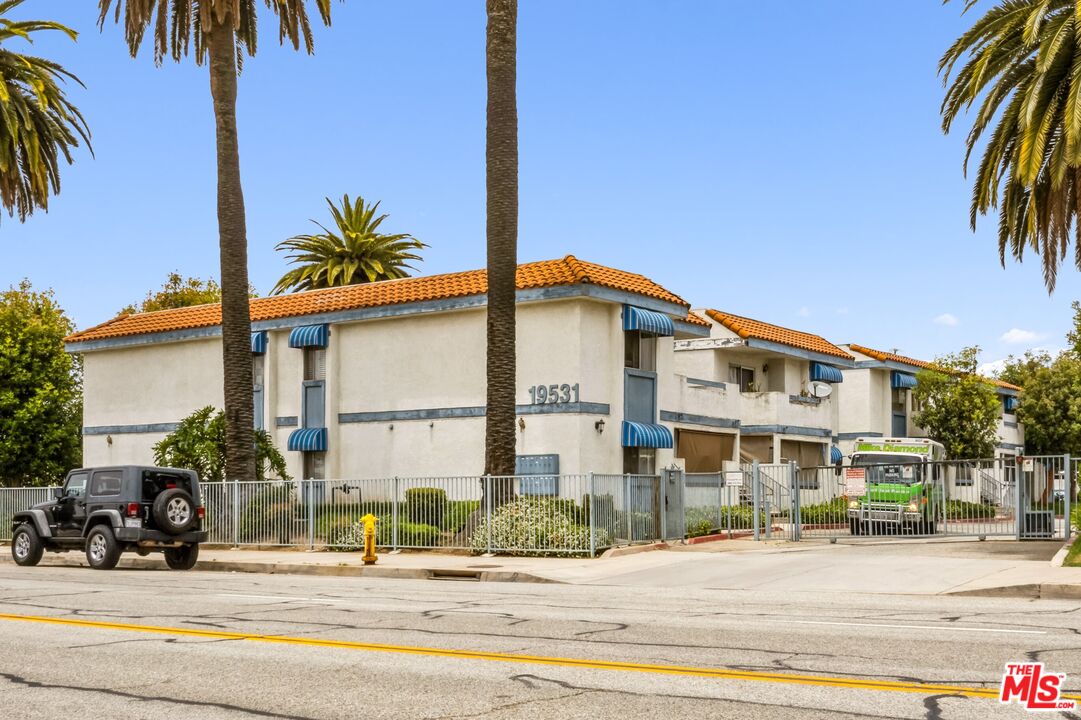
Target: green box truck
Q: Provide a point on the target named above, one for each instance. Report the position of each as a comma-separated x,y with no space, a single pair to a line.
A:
895,485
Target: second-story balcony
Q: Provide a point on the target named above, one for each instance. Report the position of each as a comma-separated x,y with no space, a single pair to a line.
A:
783,410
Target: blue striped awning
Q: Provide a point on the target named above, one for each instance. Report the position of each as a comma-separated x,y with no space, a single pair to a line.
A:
902,380
1011,402
647,321
826,373
308,440
645,435
836,455
309,336
258,343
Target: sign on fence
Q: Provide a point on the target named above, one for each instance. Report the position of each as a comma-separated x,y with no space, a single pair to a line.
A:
855,482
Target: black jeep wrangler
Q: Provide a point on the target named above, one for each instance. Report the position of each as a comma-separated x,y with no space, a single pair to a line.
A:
106,511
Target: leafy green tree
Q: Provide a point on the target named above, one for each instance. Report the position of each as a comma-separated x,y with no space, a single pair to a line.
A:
1050,407
38,124
199,444
178,292
41,408
960,408
356,253
501,168
1020,69
1019,370
221,31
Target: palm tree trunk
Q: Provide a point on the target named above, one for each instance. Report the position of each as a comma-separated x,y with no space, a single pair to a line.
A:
502,230
233,243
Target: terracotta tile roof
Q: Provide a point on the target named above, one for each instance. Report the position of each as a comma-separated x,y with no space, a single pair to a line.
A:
549,273
883,356
748,328
696,320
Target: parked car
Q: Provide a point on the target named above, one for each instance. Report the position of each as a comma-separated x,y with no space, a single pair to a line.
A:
108,511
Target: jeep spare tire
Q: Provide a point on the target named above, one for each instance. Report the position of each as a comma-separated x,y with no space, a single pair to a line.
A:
174,511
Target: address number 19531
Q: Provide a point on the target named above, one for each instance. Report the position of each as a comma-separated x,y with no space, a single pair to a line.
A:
553,394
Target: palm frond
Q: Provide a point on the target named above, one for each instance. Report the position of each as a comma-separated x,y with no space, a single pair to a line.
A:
355,252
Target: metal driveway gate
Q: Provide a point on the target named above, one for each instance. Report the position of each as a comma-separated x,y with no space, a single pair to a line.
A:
1025,498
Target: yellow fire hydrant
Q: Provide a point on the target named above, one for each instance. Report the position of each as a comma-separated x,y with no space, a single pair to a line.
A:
370,557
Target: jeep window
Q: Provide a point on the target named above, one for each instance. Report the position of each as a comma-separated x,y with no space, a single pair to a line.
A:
887,468
156,483
76,486
106,482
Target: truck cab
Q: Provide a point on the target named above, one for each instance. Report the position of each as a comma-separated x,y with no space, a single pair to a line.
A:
895,485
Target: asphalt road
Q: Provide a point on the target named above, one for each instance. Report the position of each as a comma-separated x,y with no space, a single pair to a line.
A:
156,644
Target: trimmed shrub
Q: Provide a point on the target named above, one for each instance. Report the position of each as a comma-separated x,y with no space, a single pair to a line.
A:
457,513
831,512
425,505
698,518
961,510
350,538
268,516
532,525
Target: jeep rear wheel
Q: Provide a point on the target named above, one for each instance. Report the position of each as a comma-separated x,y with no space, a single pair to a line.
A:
174,511
26,546
102,549
181,558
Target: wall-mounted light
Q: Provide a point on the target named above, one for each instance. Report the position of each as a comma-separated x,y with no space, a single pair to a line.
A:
765,369
390,427
109,440
599,425
521,424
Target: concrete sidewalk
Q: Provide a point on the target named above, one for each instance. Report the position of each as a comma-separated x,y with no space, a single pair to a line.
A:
923,567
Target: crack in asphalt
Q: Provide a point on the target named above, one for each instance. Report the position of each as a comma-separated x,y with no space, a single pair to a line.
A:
34,684
530,680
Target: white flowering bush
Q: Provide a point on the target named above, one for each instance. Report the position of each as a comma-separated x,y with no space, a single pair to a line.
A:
537,526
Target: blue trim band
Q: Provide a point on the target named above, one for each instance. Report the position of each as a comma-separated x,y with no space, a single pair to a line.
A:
691,419
131,429
855,435
706,383
474,411
804,400
785,430
783,349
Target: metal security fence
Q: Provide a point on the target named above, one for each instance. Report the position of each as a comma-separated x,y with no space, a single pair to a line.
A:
12,500
528,514
1023,498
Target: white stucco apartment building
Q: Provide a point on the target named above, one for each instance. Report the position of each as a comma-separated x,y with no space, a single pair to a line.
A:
877,401
388,379
615,375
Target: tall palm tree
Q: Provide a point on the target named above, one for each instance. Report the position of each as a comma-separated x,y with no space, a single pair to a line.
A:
221,31
357,253
502,231
38,124
1022,68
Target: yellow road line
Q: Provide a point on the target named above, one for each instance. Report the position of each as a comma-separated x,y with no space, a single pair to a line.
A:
720,673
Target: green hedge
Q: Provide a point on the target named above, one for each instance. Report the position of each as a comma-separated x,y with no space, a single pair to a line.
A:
425,505
961,510
350,538
703,520
827,513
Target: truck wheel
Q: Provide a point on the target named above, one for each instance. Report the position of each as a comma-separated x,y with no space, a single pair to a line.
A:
102,549
26,546
174,511
855,527
181,558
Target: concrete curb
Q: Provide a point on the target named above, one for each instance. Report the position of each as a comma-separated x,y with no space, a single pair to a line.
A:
1042,591
632,550
371,571
1060,556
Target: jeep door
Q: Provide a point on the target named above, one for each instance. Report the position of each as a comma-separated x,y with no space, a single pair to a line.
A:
104,491
70,512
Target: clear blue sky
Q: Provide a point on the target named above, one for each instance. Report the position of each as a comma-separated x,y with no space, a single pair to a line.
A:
788,166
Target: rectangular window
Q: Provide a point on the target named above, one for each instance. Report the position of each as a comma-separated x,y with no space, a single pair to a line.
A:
258,373
1007,406
106,482
639,461
742,377
315,363
639,350
315,465
76,485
